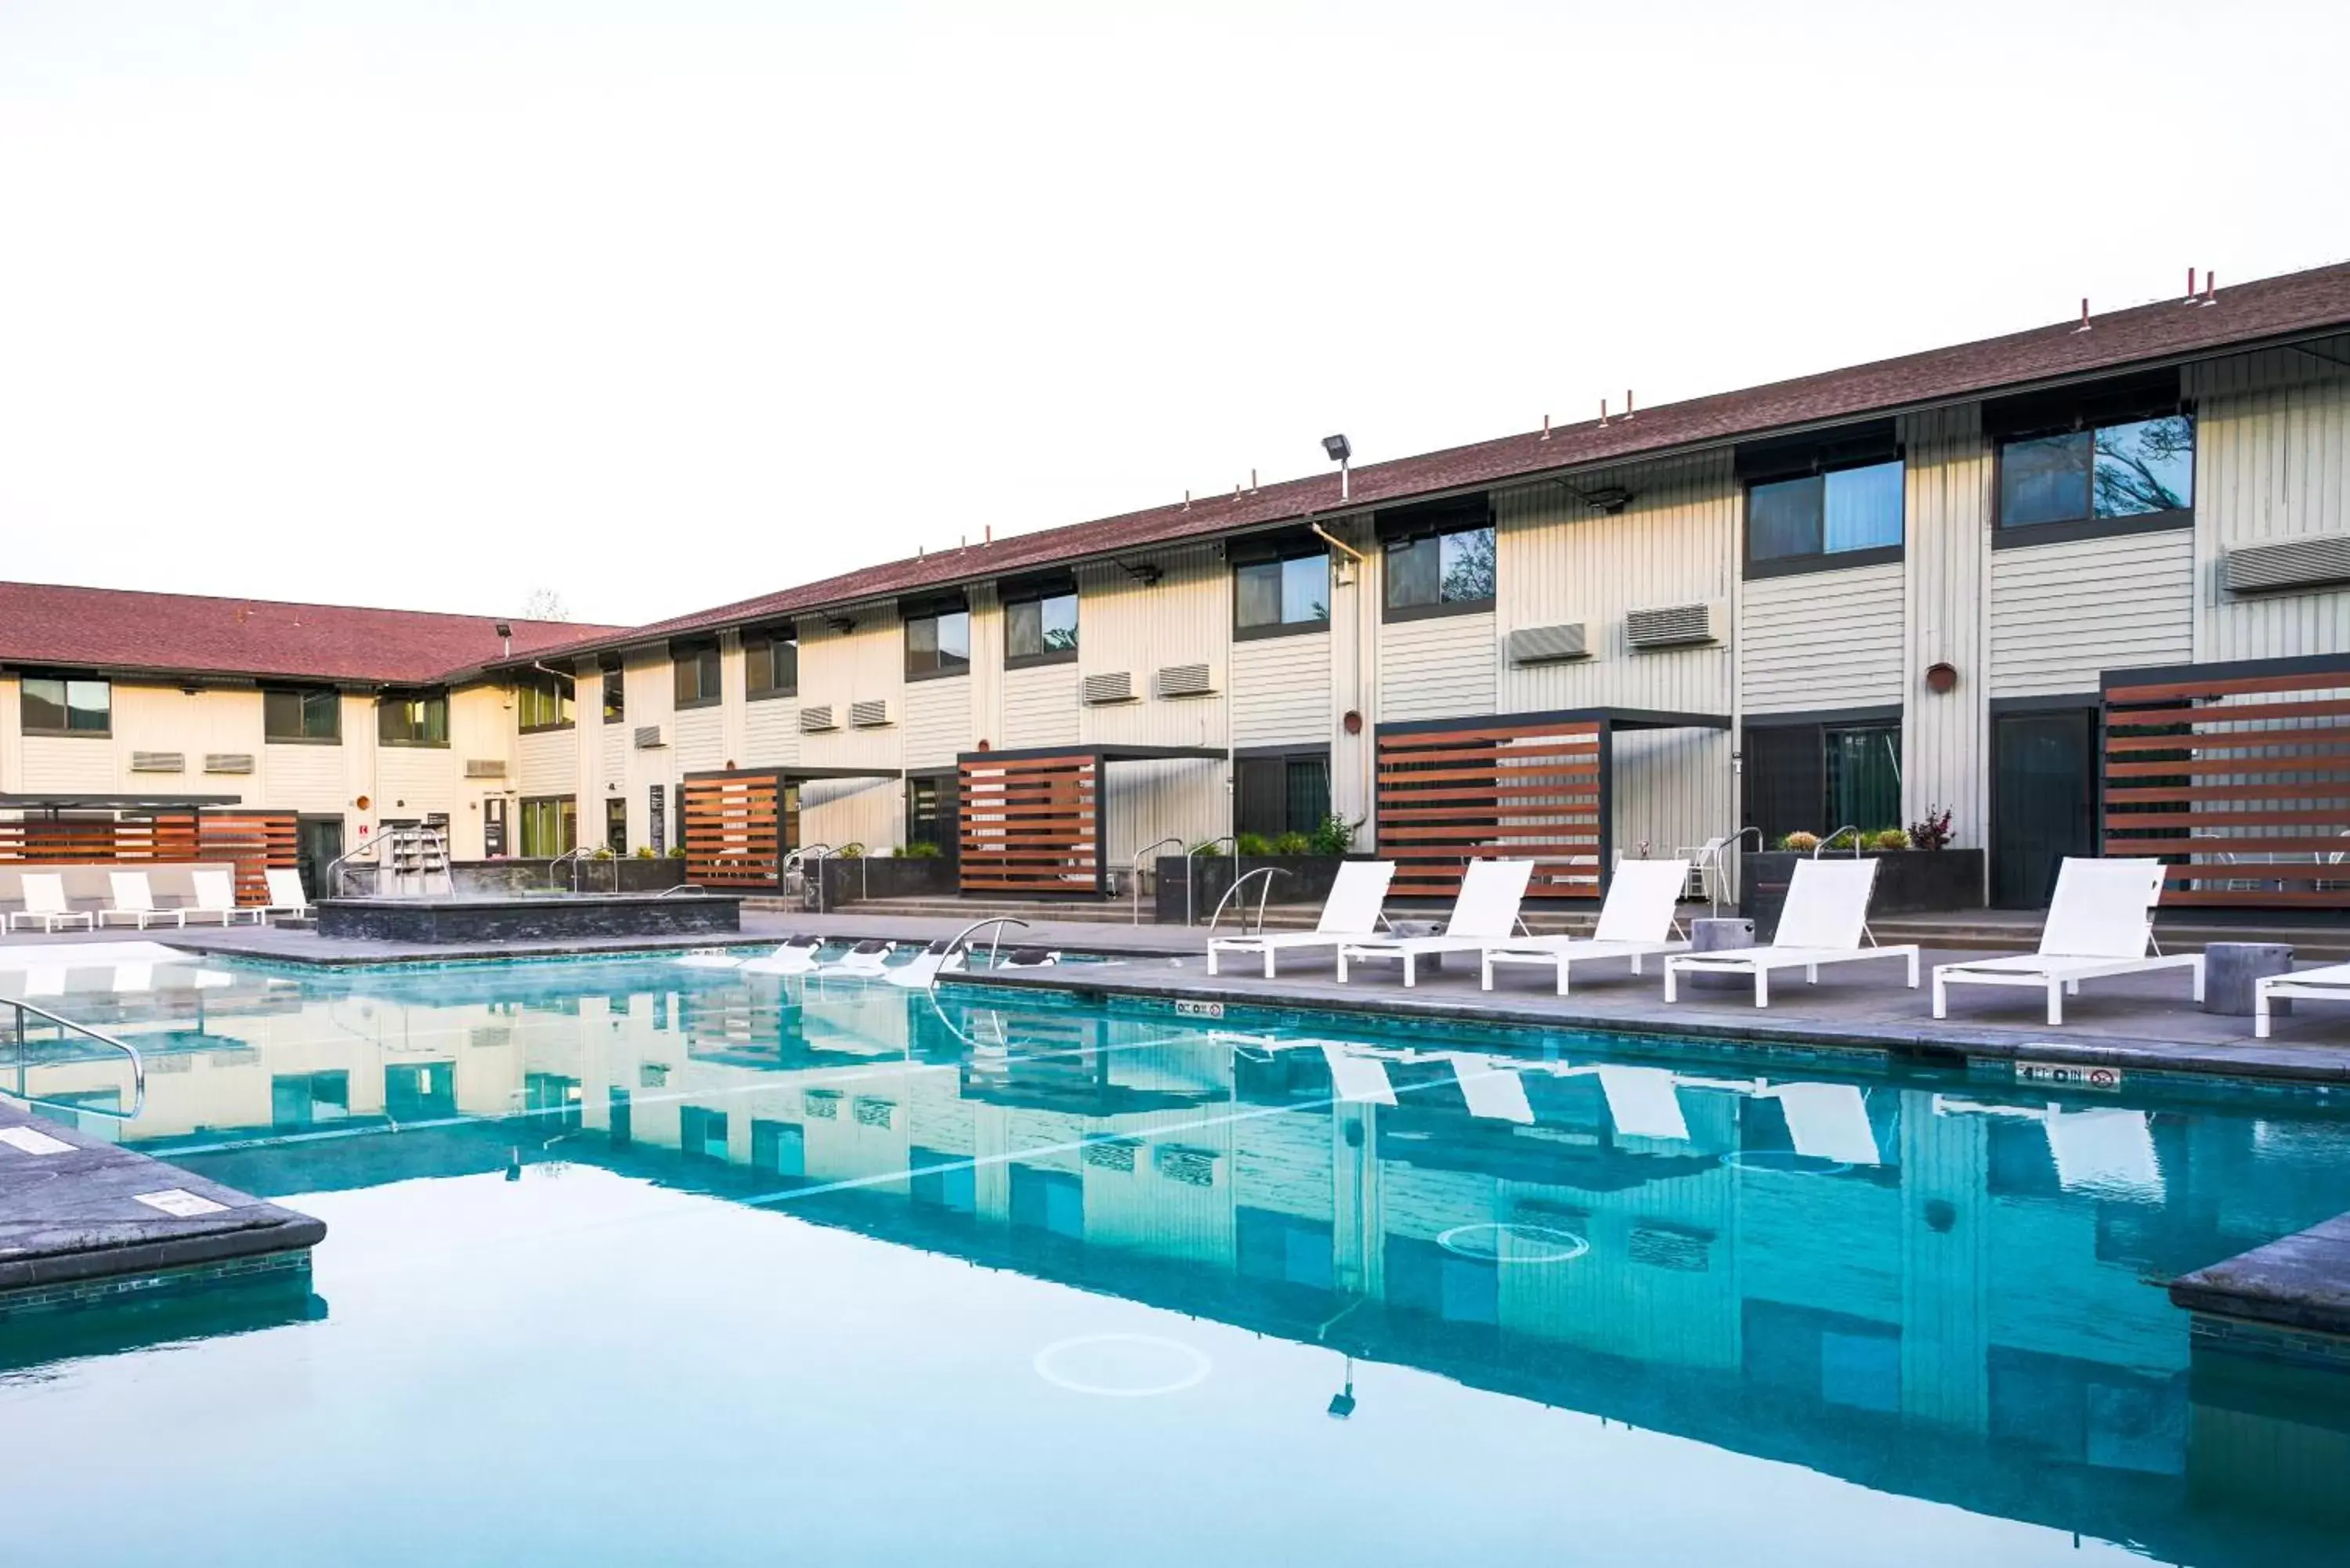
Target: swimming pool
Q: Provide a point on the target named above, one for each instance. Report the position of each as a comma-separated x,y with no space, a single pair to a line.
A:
628,1262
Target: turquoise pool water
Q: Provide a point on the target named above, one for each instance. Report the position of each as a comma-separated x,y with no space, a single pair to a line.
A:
631,1263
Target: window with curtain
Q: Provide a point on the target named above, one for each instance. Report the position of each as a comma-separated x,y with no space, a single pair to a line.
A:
54,704
616,697
549,826
938,642
311,714
2134,467
412,718
1440,559
1274,795
543,701
1831,514
1288,593
1040,625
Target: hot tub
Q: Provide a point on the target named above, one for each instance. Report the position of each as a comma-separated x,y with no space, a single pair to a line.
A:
530,917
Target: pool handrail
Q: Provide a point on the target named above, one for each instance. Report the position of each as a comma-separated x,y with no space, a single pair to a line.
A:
138,1062
1190,867
1135,872
1268,872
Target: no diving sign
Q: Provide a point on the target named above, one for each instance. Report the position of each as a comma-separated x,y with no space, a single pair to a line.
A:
2070,1075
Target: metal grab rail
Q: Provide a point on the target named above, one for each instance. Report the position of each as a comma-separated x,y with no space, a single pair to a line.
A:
798,860
574,854
1190,870
1136,870
373,847
1822,846
138,1062
1268,872
960,939
681,888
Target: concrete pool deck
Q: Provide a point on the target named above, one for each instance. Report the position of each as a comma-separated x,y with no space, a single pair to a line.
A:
85,1224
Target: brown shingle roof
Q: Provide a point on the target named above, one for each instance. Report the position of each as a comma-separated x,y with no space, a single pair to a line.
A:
105,629
2297,303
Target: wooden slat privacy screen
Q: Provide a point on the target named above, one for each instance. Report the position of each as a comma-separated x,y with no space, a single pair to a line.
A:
734,830
254,842
1494,790
1032,825
2237,775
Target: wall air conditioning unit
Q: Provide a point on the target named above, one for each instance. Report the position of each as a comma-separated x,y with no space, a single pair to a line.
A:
1187,680
1548,644
651,737
2318,563
159,761
228,762
1115,687
816,720
1675,626
486,767
870,715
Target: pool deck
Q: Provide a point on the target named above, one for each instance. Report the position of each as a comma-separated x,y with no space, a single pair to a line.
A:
84,1223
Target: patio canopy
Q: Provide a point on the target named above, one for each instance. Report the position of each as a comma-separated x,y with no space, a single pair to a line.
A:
740,822
1031,820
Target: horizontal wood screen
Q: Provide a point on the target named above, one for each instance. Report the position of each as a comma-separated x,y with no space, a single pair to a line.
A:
253,842
1494,790
735,831
2238,778
1032,825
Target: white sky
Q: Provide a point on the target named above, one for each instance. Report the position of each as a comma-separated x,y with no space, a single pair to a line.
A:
662,305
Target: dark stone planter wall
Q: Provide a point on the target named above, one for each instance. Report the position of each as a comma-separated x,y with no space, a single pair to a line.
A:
1909,882
542,917
1308,880
516,877
888,876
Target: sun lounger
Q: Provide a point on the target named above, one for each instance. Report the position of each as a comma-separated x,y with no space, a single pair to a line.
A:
1485,913
216,898
46,907
134,903
1351,911
792,955
2327,983
918,971
867,957
1029,958
286,894
1825,922
1635,921
2100,923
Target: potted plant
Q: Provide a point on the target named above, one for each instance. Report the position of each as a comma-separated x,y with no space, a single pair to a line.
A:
1306,865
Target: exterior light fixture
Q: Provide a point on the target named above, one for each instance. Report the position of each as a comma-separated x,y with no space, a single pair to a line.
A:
1340,450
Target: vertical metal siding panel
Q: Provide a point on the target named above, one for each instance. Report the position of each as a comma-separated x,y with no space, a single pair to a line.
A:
1280,691
1674,543
2049,638
1144,802
1124,625
2271,462
1946,527
862,665
1824,639
850,811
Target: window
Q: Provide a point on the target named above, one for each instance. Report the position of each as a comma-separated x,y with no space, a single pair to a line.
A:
1278,795
313,714
1440,559
1040,624
2113,457
543,701
550,826
1817,777
67,705
616,825
1284,589
771,663
615,696
412,718
938,641
695,667
1835,513
930,811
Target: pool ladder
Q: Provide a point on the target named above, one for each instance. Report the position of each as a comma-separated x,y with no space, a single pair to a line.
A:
61,1027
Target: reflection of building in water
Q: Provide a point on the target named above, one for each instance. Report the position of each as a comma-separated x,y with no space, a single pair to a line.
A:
1788,1266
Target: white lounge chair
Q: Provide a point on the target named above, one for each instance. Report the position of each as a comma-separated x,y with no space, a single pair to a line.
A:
286,894
792,955
1825,922
1486,912
1635,921
216,898
2327,983
917,971
2100,923
134,904
1029,958
1351,911
45,905
867,957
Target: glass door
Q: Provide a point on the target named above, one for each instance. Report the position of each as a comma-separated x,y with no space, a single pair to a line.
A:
2044,801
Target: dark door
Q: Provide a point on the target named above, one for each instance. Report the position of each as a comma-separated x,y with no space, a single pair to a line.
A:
318,844
2044,801
933,814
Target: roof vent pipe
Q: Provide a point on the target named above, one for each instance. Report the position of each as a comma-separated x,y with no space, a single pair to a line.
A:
2190,286
1602,410
2210,288
1628,403
1545,435
1252,481
2085,315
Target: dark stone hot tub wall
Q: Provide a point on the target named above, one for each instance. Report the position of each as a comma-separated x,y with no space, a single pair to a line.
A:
540,917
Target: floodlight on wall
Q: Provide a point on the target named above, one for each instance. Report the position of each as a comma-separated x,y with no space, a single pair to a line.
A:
506,637
1340,450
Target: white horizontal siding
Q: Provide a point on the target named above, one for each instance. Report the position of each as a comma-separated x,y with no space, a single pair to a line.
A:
1823,639
1040,706
771,733
700,739
612,753
937,721
82,766
1437,669
1280,691
2061,614
548,763
300,778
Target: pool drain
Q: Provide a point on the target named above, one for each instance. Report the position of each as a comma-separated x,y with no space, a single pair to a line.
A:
1122,1366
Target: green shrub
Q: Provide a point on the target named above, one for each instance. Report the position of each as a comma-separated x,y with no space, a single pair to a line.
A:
1889,838
919,852
677,852
1334,836
1843,838
644,852
1800,842
1293,844
1253,844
